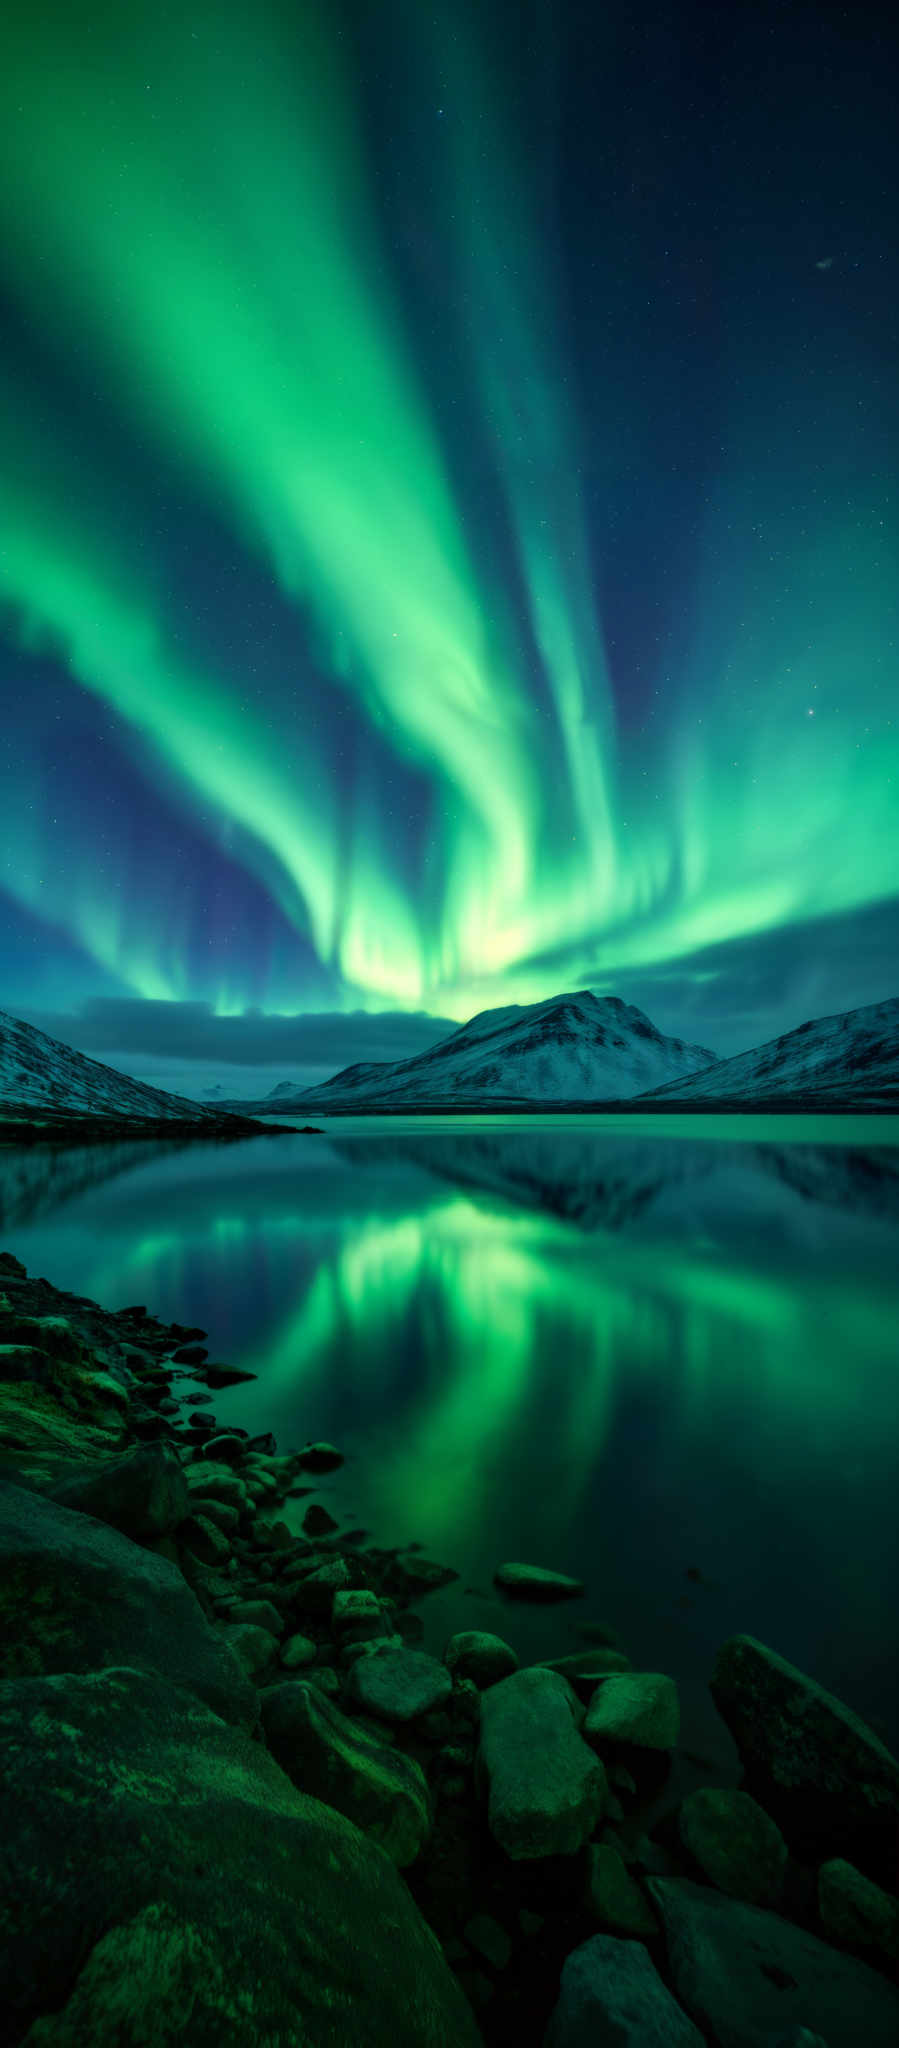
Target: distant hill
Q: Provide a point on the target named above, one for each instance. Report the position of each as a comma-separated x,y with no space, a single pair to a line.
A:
844,1061
282,1089
578,1047
43,1080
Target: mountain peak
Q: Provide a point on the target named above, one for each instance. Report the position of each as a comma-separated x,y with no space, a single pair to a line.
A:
573,1047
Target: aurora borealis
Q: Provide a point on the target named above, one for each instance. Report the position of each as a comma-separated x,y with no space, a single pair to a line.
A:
448,527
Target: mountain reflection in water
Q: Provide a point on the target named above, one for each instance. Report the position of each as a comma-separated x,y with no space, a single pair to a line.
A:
621,1352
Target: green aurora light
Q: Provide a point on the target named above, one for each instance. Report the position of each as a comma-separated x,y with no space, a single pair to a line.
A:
188,200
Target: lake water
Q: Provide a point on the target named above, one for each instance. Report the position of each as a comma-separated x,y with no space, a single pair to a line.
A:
634,1350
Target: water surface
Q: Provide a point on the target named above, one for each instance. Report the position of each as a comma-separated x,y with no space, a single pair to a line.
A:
660,1355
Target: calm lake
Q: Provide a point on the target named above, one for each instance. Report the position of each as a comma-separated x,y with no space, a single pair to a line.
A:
658,1354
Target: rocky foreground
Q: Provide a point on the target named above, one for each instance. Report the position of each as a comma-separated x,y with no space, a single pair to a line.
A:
240,1806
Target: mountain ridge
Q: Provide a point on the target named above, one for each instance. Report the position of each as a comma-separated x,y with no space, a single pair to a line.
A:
569,1046
44,1081
852,1055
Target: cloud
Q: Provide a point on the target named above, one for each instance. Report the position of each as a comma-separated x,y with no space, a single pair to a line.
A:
127,1027
750,989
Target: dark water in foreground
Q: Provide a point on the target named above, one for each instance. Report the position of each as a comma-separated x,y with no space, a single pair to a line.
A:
632,1351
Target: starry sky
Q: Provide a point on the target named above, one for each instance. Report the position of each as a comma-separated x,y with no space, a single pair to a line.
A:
448,519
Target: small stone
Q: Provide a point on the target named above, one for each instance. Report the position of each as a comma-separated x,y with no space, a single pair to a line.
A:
420,1574
615,1896
225,1517
735,1843
223,1448
359,1610
490,1940
530,1923
320,1457
483,1658
260,1614
399,1684
533,1582
220,1376
298,1651
317,1521
640,1707
218,1482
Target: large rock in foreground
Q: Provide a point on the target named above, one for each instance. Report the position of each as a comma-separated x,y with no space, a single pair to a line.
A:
811,1762
327,1755
545,1788
747,1976
77,1596
612,1996
167,1883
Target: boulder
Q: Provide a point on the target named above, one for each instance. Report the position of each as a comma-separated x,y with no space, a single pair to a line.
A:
746,1975
856,1913
639,1707
614,1896
611,1996
144,1493
333,1759
545,1788
737,1846
399,1684
533,1582
76,1595
475,1654
165,1882
827,1779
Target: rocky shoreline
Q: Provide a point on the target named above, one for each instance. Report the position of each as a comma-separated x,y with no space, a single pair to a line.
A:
241,1805
21,1127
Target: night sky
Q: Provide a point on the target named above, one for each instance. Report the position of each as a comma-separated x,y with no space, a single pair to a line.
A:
448,518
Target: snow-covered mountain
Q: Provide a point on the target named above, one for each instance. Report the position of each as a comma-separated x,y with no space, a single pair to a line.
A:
41,1078
573,1048
851,1059
282,1089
